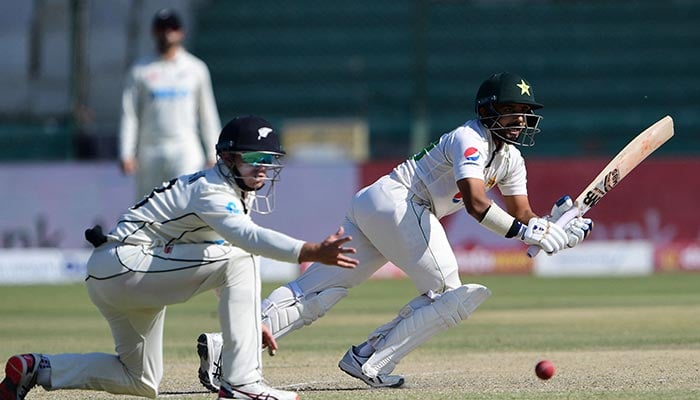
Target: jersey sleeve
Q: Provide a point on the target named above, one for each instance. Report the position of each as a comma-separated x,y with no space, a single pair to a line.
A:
515,183
128,125
209,121
468,153
224,213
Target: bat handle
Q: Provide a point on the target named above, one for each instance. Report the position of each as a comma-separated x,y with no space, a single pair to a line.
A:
564,219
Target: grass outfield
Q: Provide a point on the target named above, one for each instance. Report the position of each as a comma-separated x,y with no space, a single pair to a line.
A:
610,338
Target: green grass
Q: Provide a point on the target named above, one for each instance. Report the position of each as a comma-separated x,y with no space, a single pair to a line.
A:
611,338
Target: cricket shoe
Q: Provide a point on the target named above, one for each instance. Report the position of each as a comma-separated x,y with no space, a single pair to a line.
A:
351,364
20,376
255,391
209,351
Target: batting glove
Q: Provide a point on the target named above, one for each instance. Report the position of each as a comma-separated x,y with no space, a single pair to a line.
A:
545,234
578,228
562,205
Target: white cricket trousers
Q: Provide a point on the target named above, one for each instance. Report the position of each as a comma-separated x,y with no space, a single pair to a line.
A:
164,161
387,223
132,285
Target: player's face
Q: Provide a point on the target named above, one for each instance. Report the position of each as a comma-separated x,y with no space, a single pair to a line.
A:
167,37
253,174
512,118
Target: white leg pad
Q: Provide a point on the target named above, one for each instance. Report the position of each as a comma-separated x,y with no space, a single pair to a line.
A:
419,325
376,338
288,308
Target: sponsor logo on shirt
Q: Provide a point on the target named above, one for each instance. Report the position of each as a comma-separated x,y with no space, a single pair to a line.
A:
472,154
232,208
457,198
168,93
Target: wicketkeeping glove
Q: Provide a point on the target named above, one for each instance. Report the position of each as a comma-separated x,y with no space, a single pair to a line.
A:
545,234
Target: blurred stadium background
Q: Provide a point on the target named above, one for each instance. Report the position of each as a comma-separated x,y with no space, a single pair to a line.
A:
356,87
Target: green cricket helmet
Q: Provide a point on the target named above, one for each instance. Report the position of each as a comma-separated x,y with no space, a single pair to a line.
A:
508,88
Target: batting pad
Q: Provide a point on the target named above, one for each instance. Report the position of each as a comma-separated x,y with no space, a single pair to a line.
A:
419,325
288,309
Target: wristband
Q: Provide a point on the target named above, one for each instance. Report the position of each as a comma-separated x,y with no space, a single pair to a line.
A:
498,221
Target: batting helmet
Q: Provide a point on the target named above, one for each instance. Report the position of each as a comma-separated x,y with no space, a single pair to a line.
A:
506,87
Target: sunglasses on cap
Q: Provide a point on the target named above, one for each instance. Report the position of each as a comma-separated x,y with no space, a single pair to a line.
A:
257,158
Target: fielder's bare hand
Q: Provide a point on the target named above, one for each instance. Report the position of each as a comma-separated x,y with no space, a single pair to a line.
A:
128,166
330,251
268,341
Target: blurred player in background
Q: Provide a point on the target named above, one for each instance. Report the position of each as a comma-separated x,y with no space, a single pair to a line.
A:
192,235
169,120
396,219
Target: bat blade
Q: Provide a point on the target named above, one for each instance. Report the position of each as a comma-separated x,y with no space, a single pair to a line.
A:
617,169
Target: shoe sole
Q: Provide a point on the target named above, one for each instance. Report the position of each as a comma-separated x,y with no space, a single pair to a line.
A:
203,353
15,373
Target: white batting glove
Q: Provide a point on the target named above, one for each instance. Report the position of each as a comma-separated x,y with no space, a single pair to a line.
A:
562,205
545,234
578,229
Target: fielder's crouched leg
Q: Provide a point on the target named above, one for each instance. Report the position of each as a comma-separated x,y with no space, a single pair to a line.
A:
285,310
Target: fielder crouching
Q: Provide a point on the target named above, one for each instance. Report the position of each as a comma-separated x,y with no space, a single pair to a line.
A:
188,236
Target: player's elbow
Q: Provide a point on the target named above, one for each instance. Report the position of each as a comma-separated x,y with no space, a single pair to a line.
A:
477,208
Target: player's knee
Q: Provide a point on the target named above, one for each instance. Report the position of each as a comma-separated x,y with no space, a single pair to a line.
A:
288,308
143,388
458,304
317,305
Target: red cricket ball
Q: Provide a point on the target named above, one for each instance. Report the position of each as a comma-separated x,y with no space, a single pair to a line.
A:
544,369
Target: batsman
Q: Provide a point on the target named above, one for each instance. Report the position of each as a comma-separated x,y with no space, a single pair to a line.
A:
397,219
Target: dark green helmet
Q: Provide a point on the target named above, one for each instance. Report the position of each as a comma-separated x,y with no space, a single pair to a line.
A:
507,88
257,144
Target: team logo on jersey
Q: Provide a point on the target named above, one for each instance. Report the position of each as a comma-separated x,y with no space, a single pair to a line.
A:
457,198
263,132
232,208
472,154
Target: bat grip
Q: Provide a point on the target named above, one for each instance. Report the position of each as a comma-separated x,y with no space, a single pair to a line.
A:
564,219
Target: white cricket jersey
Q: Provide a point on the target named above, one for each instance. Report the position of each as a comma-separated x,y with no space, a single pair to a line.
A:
169,103
202,208
466,152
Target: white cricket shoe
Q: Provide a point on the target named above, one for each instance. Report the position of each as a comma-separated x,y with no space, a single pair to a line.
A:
209,351
255,391
20,376
351,364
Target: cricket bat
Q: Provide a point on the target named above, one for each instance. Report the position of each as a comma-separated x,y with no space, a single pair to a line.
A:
625,161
